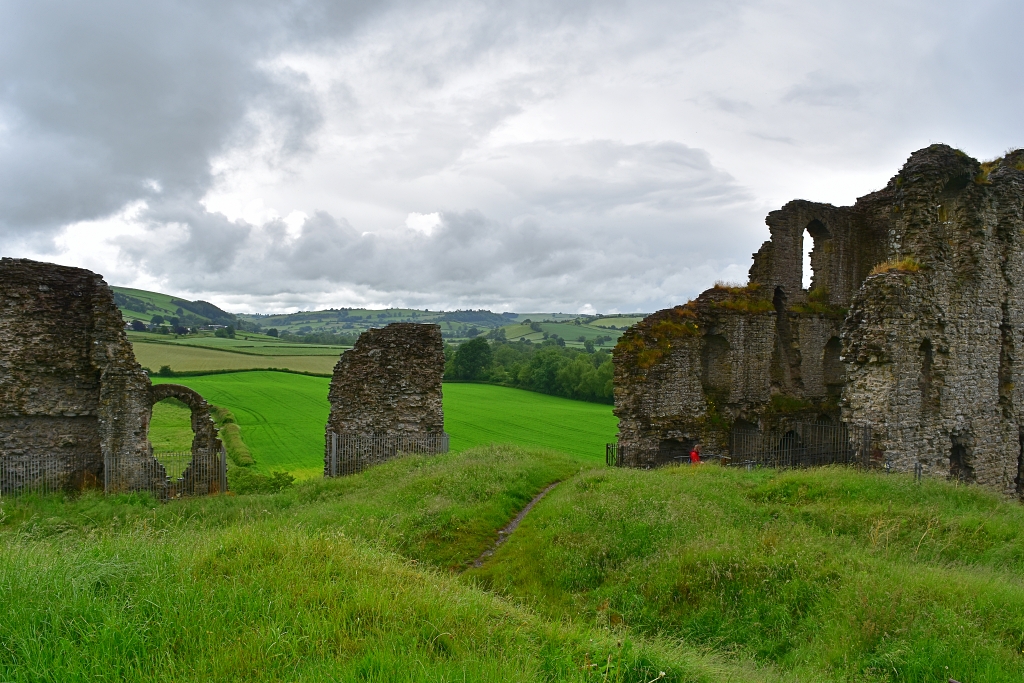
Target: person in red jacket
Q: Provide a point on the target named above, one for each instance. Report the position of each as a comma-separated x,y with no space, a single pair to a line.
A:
695,454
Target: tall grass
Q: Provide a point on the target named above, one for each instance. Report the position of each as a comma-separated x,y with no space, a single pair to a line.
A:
827,573
337,580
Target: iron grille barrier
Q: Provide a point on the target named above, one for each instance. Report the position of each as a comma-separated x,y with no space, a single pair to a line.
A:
165,475
798,444
21,475
169,474
349,454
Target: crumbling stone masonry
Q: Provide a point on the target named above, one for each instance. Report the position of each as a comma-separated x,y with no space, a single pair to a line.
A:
389,385
910,325
72,396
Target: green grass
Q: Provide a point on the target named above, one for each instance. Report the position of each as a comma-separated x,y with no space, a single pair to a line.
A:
282,418
477,414
827,574
337,580
170,428
250,344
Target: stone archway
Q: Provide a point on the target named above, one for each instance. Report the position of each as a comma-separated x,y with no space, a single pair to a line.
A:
202,475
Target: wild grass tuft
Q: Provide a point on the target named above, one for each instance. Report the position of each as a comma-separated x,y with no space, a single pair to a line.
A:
907,264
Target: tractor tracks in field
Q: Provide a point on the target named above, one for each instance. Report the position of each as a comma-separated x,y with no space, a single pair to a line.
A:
507,530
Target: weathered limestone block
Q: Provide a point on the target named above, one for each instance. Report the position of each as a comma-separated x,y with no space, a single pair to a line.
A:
389,384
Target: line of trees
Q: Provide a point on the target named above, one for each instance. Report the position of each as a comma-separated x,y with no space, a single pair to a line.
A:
547,368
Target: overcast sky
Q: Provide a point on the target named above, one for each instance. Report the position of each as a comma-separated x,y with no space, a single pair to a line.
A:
526,156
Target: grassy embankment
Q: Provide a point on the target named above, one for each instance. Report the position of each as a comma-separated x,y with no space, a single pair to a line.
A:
828,574
820,575
337,580
282,416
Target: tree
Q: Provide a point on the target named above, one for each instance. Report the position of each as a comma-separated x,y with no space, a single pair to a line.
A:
157,320
589,345
472,358
138,326
272,332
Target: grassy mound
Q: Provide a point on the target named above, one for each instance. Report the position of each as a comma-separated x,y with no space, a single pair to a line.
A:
827,574
338,580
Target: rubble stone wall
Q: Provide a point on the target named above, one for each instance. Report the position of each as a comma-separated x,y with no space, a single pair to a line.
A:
72,395
925,351
389,384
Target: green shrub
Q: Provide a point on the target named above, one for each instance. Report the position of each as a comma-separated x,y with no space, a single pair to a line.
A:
242,480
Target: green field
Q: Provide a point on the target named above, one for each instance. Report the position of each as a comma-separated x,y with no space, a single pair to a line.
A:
244,343
282,418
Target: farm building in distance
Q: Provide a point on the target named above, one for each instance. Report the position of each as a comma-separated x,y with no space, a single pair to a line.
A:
75,405
385,398
910,327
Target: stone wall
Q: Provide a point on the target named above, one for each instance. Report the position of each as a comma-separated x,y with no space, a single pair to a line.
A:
389,384
72,396
923,352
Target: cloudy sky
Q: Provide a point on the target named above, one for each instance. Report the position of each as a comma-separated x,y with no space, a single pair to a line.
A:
527,156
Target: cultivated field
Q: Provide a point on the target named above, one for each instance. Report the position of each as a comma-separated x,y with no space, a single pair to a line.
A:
195,358
282,418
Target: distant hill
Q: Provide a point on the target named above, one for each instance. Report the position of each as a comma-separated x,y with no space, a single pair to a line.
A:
139,304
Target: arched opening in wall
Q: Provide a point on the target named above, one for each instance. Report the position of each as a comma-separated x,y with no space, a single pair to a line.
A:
171,435
791,449
832,369
926,378
960,465
716,365
816,247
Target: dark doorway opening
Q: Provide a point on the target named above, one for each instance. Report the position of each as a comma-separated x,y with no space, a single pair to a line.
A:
674,451
960,468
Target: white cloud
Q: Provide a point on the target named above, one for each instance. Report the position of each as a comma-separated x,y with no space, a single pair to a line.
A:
518,156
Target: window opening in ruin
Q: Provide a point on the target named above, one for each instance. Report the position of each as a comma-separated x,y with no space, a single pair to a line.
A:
832,367
170,435
925,382
960,468
716,368
1020,464
814,238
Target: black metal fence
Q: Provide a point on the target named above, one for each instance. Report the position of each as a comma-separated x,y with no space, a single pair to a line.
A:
349,454
165,475
797,444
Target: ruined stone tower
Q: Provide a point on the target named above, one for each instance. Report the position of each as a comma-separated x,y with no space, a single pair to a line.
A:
910,326
73,399
388,386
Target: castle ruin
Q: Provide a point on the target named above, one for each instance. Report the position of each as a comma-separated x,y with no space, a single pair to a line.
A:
75,405
385,396
910,327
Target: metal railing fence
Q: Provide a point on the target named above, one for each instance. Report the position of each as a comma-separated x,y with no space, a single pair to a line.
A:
165,475
21,475
349,454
